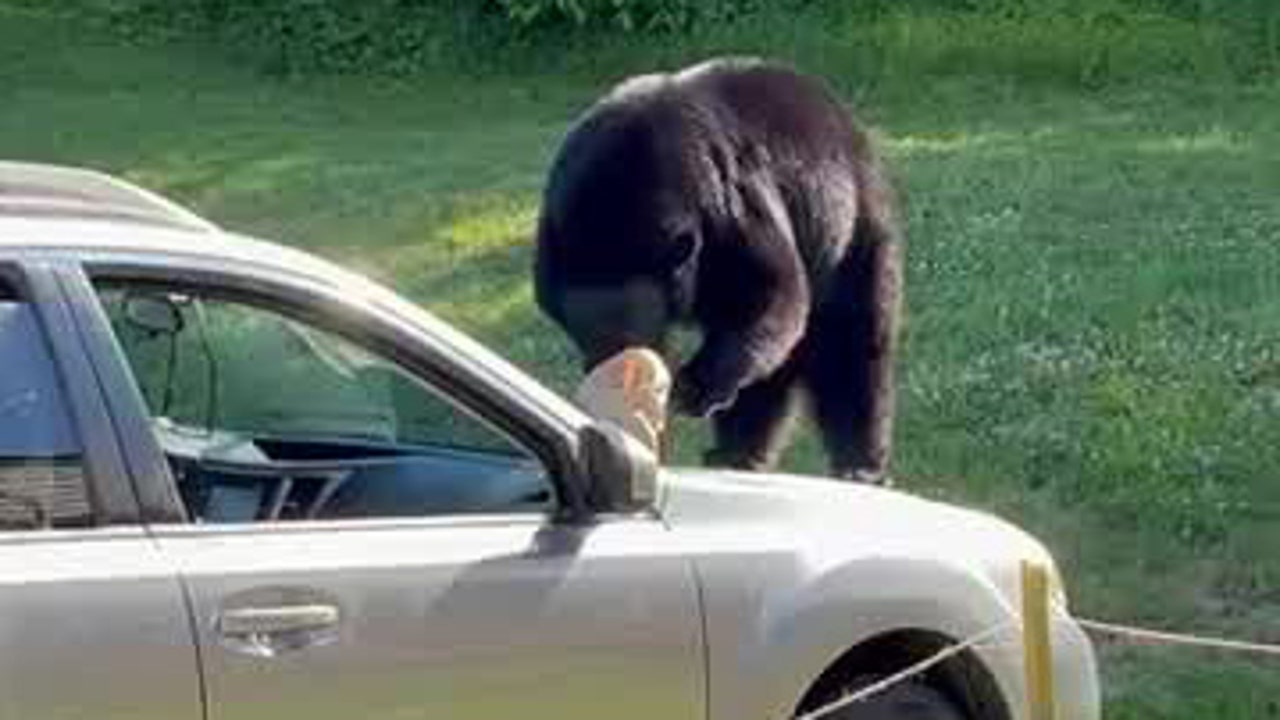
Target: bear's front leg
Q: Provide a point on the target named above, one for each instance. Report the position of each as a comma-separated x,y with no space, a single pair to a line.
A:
710,381
727,362
752,302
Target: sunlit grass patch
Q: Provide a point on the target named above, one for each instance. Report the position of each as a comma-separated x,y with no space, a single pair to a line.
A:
1087,46
1213,141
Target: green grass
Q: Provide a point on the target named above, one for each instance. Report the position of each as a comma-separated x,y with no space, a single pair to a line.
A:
1093,345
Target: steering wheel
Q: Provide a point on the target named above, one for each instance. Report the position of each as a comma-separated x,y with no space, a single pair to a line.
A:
39,514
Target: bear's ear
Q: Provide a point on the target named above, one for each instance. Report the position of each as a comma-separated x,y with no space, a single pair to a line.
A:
681,250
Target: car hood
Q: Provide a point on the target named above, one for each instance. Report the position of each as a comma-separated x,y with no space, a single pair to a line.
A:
823,522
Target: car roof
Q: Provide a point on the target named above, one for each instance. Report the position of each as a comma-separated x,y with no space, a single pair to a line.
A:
56,192
102,233
100,237
55,208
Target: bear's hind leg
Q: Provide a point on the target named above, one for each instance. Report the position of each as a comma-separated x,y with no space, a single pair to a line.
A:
850,367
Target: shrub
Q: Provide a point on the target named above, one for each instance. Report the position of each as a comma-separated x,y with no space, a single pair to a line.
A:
292,36
628,15
301,36
1090,40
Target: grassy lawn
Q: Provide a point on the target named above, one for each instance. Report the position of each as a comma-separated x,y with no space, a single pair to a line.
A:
1093,346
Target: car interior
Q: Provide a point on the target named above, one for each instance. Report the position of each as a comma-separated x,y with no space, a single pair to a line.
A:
42,483
263,418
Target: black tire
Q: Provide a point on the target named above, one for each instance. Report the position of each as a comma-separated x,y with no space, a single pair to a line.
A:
909,700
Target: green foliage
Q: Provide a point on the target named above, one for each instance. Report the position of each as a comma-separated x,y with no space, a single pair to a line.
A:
627,15
325,36
399,36
1086,42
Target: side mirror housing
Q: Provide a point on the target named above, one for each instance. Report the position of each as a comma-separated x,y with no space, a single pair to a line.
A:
622,472
154,314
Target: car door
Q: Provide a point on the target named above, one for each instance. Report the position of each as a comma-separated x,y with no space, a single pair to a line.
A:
93,622
364,541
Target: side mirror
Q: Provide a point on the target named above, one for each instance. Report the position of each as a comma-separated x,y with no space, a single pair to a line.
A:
623,473
154,314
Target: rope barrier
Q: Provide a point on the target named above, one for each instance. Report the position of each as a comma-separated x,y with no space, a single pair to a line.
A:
906,674
1136,635
1144,636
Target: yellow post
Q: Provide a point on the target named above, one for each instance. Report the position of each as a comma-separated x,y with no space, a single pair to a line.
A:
1036,644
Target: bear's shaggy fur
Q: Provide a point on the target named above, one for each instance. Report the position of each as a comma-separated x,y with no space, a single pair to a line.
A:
741,197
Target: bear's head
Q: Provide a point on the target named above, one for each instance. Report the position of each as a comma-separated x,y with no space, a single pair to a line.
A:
607,307
620,234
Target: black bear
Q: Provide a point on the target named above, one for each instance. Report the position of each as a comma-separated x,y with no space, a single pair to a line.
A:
739,196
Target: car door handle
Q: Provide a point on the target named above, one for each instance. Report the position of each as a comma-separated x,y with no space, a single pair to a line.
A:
269,620
287,619
269,631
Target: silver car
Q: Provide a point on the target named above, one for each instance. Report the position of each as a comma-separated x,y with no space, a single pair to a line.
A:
239,483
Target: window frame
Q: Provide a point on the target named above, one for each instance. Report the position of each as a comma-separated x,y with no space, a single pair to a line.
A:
111,499
304,300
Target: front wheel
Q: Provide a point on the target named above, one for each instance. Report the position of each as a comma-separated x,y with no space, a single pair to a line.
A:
908,700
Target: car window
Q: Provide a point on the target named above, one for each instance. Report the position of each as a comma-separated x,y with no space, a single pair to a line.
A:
265,417
42,478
